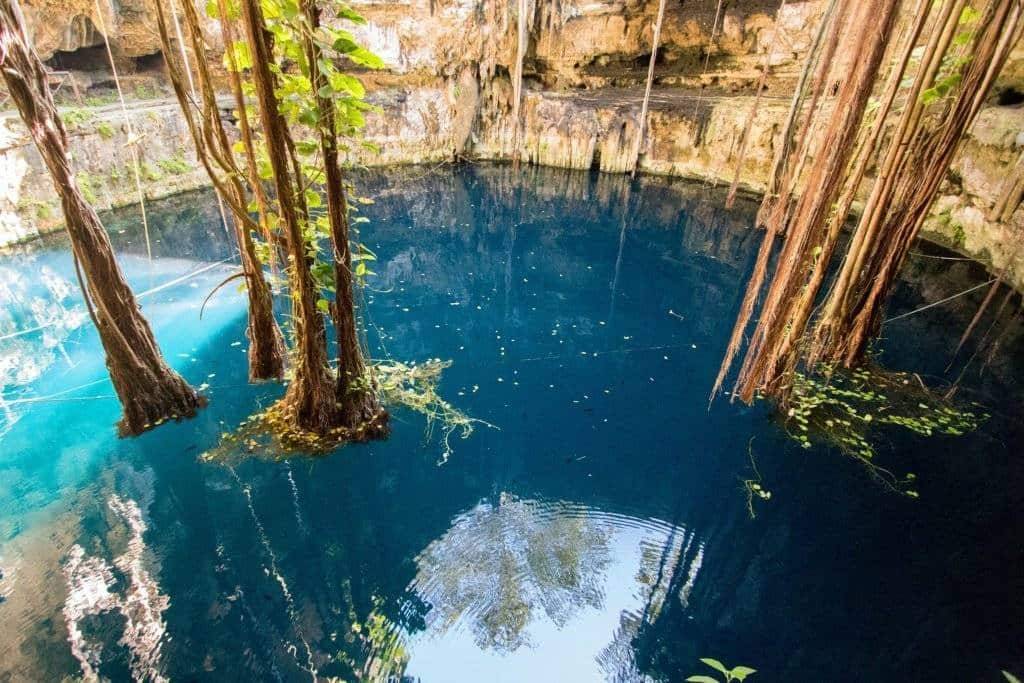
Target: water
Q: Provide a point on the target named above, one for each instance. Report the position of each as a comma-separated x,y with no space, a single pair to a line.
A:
600,532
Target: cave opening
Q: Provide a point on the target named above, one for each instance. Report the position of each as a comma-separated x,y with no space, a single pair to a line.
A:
87,59
1009,96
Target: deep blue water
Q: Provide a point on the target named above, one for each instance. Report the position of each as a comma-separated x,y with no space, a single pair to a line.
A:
601,532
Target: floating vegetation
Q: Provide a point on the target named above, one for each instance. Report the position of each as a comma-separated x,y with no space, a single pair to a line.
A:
273,434
841,408
415,387
755,486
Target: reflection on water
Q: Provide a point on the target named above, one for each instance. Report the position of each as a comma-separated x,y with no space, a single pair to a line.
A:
90,580
563,586
601,533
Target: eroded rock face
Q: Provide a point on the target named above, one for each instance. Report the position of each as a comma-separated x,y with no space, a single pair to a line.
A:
446,93
69,25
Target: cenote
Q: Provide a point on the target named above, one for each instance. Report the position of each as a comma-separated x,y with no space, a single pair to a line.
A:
594,526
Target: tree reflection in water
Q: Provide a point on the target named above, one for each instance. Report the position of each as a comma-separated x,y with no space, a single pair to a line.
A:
501,566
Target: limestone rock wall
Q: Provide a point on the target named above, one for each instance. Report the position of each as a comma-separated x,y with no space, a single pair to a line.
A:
446,94
101,157
69,25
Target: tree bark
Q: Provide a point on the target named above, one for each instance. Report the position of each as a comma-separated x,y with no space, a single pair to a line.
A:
149,390
266,344
356,399
309,402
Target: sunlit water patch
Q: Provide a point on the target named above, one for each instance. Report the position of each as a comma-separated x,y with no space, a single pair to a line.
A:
600,530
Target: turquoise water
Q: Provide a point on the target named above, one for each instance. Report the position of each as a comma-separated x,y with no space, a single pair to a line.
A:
600,530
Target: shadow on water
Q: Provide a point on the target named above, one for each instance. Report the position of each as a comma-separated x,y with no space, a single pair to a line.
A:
601,534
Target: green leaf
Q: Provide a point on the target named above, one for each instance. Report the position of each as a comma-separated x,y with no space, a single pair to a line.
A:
313,200
969,15
364,57
239,52
741,672
322,305
715,664
701,679
1010,677
346,12
349,84
930,96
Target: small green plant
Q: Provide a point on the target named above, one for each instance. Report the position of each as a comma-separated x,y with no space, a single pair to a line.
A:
737,673
101,100
76,117
105,130
959,236
176,165
87,184
145,92
149,172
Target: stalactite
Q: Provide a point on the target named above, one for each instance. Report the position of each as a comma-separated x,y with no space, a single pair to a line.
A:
517,80
150,392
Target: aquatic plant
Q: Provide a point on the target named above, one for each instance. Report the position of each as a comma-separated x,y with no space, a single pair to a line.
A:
736,673
392,383
754,487
415,387
841,408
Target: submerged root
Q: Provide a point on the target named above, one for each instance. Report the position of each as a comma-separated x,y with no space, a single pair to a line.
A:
842,408
273,433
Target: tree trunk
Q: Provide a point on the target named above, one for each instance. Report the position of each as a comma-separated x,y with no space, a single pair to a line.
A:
309,402
149,390
360,409
266,344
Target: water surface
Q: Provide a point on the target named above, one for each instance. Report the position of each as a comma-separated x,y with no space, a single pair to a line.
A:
600,532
